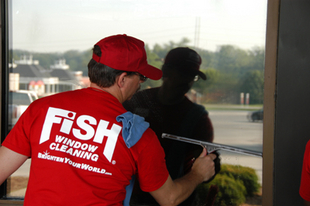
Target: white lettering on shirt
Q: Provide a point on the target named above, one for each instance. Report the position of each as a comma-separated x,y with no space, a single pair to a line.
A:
84,131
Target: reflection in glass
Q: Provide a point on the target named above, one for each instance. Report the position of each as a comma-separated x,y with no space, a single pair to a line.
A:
52,40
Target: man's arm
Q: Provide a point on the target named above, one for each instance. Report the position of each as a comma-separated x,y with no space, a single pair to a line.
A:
175,192
10,161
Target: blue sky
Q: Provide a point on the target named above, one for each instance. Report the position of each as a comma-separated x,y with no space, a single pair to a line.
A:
61,25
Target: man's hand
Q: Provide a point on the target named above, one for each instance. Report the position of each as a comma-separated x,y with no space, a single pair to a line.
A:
173,192
204,166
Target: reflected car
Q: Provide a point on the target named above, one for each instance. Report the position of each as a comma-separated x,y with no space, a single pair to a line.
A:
256,115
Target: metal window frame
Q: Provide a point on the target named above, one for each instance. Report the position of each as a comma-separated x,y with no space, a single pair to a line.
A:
4,78
270,78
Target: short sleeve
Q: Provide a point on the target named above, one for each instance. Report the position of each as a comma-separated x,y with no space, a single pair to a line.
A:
304,190
152,170
18,139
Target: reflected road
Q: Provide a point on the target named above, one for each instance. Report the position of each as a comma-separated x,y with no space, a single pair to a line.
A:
231,127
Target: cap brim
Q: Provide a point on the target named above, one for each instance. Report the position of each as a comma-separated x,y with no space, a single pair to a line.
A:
151,72
202,75
194,72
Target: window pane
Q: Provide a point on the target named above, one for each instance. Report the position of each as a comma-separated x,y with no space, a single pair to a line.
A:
52,40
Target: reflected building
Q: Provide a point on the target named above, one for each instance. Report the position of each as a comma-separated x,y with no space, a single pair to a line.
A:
31,76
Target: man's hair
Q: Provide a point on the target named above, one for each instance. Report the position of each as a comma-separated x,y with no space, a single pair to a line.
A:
100,74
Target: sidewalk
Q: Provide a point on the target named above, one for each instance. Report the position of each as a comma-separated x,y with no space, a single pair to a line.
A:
232,106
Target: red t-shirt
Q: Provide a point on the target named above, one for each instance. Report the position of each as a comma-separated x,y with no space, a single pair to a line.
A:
78,155
304,190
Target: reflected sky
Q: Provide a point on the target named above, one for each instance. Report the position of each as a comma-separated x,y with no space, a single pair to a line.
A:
61,25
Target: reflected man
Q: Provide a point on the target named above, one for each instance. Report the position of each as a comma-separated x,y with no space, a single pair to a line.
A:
168,110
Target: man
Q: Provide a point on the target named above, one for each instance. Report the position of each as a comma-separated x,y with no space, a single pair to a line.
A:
304,189
85,147
168,110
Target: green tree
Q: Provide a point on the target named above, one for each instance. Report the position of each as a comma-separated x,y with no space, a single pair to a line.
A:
162,51
208,59
226,88
85,57
253,83
257,56
76,60
206,86
154,60
228,69
230,59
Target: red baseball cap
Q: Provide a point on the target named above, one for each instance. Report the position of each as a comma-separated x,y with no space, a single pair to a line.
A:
122,52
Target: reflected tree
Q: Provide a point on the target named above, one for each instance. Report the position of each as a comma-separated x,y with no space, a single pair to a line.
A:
253,83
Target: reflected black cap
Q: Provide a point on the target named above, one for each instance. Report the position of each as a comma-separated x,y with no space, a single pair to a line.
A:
185,59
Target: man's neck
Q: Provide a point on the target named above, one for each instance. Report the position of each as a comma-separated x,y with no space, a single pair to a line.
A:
111,90
98,88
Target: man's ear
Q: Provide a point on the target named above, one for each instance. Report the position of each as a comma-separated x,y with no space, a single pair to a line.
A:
120,80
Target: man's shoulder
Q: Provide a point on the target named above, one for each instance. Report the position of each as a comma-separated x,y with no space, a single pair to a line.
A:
61,98
149,135
142,99
148,138
146,92
65,93
197,109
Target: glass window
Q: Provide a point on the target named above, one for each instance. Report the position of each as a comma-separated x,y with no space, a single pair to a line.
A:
51,44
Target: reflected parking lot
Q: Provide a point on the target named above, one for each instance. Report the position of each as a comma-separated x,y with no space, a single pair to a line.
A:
231,127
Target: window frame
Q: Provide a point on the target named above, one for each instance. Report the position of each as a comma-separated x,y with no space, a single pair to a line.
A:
4,77
271,50
269,101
